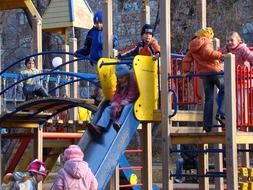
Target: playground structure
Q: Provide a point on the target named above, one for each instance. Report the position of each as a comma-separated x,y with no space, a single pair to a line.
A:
31,115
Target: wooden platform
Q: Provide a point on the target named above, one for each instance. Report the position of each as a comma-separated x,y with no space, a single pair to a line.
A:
35,112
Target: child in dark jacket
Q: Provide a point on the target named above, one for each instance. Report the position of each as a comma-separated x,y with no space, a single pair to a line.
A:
148,46
75,173
126,93
93,45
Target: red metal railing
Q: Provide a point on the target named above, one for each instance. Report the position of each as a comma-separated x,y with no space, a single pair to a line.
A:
185,88
244,96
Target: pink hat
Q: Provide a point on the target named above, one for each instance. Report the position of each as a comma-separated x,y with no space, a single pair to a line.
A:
73,152
37,167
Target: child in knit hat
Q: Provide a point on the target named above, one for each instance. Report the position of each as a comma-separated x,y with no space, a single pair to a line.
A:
147,46
208,61
75,173
126,93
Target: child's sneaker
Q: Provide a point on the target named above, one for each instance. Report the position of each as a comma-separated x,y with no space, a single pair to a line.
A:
221,119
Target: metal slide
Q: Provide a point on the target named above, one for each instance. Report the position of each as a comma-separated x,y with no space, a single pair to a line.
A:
103,154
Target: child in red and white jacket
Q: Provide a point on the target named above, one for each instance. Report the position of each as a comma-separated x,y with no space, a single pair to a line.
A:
148,46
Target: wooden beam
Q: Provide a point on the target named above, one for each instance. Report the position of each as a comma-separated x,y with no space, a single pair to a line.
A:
190,116
18,124
37,40
146,142
165,70
11,4
203,167
107,29
230,105
29,4
201,11
244,138
145,12
63,143
214,138
38,148
186,130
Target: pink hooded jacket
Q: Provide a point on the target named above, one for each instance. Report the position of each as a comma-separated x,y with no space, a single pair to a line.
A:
75,175
243,57
129,93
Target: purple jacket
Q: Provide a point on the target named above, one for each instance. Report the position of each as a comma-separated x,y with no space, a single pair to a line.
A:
75,174
124,94
243,55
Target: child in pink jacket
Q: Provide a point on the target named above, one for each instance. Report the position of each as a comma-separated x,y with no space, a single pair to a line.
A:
243,58
125,95
76,173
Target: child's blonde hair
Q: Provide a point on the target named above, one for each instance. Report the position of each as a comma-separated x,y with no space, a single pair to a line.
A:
236,34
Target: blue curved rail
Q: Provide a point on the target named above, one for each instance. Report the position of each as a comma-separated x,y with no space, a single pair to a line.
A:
88,77
64,84
81,57
175,103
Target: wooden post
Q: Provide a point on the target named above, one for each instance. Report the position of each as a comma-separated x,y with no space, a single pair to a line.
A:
146,156
108,52
73,67
219,182
1,99
230,110
37,40
165,108
145,13
201,12
65,59
203,167
107,29
38,147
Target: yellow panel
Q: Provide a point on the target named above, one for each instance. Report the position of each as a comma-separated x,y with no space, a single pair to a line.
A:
243,172
83,114
147,78
250,172
243,186
107,77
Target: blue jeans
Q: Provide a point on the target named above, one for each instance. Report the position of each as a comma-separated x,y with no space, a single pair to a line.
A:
209,83
106,116
179,168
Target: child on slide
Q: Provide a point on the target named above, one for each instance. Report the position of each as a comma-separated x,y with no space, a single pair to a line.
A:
126,93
